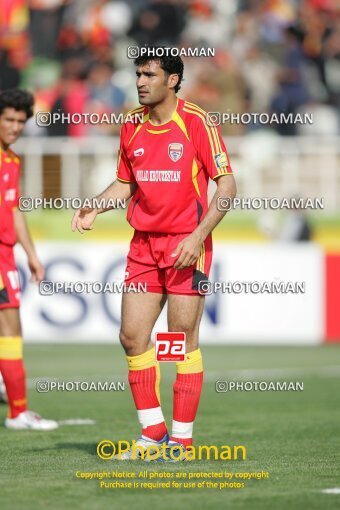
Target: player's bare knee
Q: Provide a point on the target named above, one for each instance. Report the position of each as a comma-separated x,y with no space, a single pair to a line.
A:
9,324
125,339
132,344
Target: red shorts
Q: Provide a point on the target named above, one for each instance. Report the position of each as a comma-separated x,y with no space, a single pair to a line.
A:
9,279
149,262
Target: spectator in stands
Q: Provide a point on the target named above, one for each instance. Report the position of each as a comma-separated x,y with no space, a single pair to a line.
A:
9,75
101,88
296,226
293,91
46,18
249,38
160,21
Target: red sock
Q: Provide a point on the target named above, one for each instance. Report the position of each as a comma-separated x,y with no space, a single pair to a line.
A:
144,384
187,392
13,372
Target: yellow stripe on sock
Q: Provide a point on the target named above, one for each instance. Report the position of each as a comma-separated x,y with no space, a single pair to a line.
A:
158,380
192,365
142,361
10,347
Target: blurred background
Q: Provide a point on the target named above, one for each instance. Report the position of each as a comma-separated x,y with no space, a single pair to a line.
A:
273,56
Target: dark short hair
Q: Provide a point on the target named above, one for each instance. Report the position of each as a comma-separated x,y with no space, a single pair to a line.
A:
170,64
20,100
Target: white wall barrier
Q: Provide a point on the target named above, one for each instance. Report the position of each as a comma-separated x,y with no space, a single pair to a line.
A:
241,318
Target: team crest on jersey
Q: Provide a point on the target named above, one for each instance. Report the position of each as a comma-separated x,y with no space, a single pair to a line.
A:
175,151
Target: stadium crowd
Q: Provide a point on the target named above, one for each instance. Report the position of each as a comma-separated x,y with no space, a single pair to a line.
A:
270,56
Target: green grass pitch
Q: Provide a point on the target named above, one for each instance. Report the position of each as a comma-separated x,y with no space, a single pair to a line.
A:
295,436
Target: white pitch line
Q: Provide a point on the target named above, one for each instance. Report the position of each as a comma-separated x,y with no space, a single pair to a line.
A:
336,490
77,421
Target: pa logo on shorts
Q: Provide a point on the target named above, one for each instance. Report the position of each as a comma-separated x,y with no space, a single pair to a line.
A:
175,151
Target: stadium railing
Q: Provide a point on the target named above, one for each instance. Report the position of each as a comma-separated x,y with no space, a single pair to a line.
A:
265,166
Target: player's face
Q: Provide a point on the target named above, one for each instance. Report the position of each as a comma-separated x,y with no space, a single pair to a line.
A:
153,83
12,123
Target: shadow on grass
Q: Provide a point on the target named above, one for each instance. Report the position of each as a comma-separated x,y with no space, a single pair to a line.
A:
90,448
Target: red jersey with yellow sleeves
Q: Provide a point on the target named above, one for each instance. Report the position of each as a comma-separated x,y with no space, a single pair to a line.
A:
9,195
171,164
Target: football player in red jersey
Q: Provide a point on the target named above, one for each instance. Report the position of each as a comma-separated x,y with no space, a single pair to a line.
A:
165,163
16,106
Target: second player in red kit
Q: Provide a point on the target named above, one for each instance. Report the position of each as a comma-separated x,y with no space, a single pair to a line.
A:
9,195
16,107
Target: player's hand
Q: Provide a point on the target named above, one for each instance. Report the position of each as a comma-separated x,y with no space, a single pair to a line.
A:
83,219
187,251
37,269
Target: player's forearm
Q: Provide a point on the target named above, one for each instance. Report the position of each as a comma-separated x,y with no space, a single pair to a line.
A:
23,235
226,188
117,191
